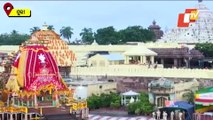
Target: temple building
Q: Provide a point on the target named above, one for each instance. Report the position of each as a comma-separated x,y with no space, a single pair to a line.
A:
200,31
156,29
64,57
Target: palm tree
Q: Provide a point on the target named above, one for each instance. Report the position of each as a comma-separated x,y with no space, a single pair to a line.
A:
14,32
34,29
50,27
87,35
66,32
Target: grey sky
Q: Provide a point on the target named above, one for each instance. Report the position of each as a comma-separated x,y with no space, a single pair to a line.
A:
96,14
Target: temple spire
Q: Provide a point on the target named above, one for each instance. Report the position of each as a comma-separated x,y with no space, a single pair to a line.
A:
45,26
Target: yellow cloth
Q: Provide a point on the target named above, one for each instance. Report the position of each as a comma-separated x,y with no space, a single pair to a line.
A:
21,68
12,84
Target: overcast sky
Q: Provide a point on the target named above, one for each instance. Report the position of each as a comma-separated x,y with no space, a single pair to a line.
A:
96,14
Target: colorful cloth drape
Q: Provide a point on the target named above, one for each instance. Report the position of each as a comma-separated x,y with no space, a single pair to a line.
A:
37,69
204,100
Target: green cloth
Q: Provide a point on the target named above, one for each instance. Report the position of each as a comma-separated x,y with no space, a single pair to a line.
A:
205,90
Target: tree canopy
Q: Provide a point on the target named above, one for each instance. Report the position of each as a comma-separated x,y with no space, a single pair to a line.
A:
109,35
50,27
103,36
136,34
67,33
34,29
112,100
205,48
87,35
143,106
14,38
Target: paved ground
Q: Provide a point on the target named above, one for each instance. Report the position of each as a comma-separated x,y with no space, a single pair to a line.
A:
99,117
113,114
62,113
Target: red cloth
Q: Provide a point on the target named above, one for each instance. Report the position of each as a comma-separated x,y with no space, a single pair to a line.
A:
41,69
204,100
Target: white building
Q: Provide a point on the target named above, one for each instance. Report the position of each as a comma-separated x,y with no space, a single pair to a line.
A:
86,88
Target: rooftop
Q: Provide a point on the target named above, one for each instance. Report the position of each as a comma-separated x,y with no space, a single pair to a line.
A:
140,50
114,56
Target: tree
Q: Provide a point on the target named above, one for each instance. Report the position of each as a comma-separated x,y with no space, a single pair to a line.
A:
50,27
205,48
14,32
34,29
87,35
136,34
67,33
14,38
189,97
104,100
107,36
143,106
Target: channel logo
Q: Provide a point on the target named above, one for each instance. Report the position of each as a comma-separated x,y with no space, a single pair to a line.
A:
190,16
16,12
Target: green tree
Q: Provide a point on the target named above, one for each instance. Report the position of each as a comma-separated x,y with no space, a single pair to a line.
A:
34,29
205,48
50,27
189,97
14,38
87,35
136,34
67,33
94,102
144,97
107,36
104,100
132,107
14,32
143,106
115,104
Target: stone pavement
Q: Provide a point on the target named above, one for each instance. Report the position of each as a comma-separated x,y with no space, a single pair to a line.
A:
100,117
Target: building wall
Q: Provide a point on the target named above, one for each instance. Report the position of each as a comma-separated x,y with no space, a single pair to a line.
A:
98,61
143,71
98,89
184,87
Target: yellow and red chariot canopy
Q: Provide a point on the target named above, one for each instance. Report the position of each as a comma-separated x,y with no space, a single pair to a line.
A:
36,69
